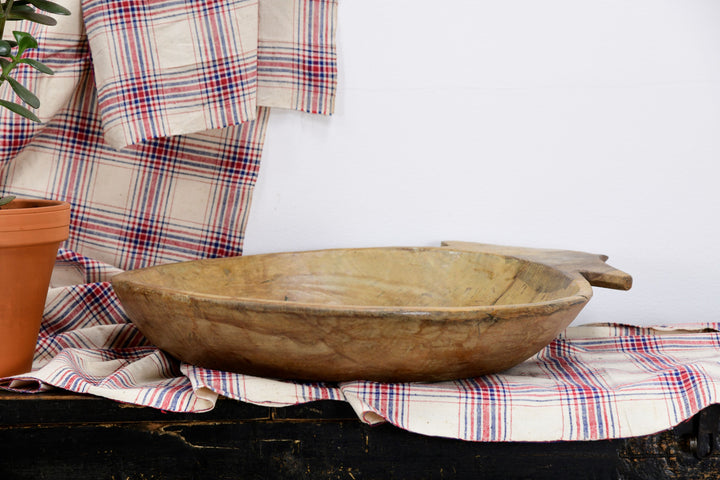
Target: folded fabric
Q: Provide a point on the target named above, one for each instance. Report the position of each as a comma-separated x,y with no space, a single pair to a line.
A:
593,382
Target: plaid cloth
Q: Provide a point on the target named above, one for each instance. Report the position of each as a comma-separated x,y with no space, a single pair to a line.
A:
155,118
593,382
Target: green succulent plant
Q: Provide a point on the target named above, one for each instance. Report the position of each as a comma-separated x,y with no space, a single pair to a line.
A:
12,51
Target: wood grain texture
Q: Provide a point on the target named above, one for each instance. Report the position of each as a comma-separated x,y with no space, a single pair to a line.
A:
591,266
385,314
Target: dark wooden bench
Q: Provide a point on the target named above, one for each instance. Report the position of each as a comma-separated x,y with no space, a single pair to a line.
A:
60,435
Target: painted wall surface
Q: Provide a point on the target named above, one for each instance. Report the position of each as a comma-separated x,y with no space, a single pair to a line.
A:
587,125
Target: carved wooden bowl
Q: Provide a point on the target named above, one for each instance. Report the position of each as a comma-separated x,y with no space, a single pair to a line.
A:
384,314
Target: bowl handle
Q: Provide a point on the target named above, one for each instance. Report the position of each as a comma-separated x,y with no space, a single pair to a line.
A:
591,266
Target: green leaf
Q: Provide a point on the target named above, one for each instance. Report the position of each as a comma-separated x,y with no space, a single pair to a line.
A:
20,110
25,41
19,9
33,17
6,200
50,7
5,48
37,65
7,67
22,92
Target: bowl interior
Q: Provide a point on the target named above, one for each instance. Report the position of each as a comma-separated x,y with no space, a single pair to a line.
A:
372,277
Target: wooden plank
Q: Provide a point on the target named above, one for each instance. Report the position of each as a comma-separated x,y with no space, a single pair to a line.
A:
277,450
60,435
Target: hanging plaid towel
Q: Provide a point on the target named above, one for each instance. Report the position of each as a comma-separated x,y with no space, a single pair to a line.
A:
155,118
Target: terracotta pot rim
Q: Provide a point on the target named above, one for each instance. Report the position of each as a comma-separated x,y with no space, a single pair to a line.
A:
32,222
24,206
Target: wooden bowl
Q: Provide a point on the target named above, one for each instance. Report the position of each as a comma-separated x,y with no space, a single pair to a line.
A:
383,314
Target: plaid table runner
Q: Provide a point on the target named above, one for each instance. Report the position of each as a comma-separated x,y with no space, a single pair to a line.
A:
593,382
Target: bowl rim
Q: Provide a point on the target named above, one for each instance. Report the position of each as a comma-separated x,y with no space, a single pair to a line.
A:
583,295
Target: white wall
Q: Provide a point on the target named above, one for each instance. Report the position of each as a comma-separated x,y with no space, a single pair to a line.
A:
588,125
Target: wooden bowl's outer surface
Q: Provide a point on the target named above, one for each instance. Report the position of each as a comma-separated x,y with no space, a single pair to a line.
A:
384,314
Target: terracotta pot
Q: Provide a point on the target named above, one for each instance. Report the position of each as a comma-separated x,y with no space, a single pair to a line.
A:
31,232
